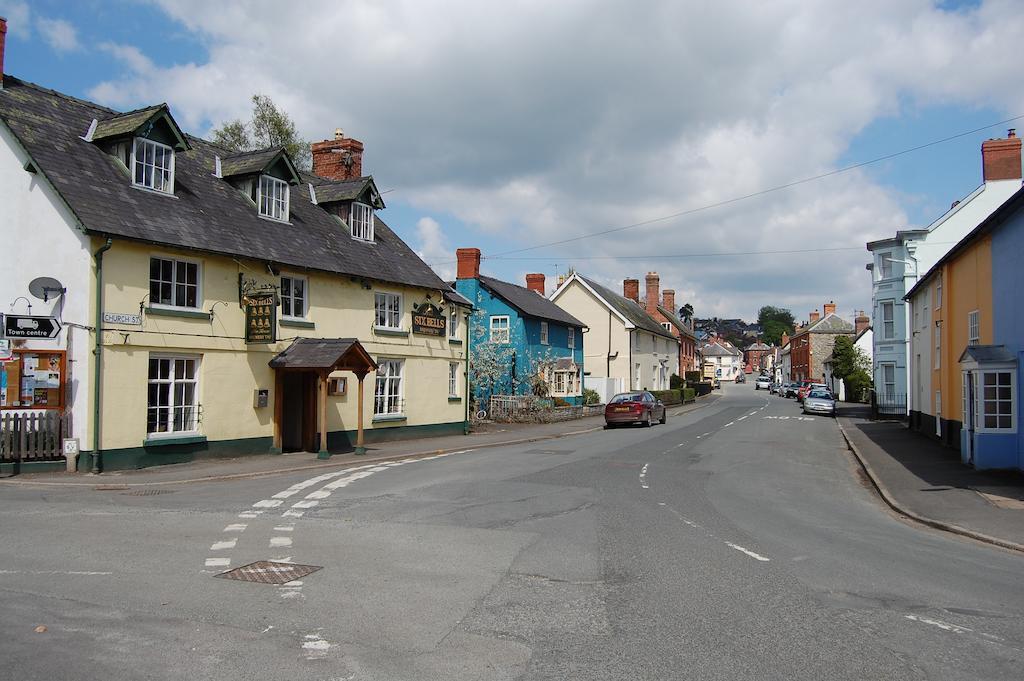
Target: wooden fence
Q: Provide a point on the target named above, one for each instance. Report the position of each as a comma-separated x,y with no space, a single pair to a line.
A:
35,436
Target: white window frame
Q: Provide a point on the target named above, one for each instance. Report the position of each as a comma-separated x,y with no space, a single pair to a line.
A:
390,312
172,407
175,282
973,327
561,382
453,379
938,345
388,387
290,297
890,332
166,173
637,378
361,221
543,333
571,338
500,335
453,322
885,384
982,399
273,204
885,266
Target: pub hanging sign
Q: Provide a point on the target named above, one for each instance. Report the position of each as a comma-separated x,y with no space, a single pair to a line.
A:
260,318
429,320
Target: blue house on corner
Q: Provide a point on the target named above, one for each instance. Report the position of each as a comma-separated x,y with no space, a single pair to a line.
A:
518,337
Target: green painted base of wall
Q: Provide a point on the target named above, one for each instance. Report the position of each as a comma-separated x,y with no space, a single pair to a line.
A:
26,467
144,457
345,440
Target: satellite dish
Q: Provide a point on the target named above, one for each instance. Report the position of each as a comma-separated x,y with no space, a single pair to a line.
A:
45,287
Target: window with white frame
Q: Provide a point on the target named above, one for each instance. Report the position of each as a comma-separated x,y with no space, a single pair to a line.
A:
938,344
388,311
884,265
561,382
153,165
360,221
973,329
453,322
173,283
636,377
996,406
294,297
387,392
888,320
667,326
543,333
272,198
453,379
889,379
571,339
173,398
500,329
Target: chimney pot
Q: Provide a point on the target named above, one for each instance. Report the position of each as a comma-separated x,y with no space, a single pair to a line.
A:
339,134
830,308
469,263
535,282
861,322
653,295
631,289
340,158
1000,158
668,301
814,316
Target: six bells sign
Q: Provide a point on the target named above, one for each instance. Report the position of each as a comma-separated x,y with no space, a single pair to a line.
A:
429,320
260,318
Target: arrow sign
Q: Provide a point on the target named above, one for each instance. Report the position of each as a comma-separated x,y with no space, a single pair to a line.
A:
31,327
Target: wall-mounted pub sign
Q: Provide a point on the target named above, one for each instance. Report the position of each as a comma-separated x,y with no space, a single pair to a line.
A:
429,320
260,318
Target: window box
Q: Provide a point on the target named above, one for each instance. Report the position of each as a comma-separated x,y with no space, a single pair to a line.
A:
157,441
387,418
297,323
384,331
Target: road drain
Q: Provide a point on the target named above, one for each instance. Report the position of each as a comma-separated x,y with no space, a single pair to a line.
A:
269,572
147,492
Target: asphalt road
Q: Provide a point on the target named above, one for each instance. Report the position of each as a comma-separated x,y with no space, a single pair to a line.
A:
735,542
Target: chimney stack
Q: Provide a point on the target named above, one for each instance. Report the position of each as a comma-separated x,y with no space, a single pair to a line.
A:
784,341
3,42
830,308
653,283
668,301
1000,158
469,263
861,322
631,289
813,317
338,159
535,282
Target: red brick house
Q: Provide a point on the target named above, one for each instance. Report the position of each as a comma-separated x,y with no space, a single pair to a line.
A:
663,309
813,342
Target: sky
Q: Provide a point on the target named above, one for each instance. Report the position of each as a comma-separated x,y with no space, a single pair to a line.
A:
613,138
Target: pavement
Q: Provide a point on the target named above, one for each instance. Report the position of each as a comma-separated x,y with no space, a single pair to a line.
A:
484,435
927,482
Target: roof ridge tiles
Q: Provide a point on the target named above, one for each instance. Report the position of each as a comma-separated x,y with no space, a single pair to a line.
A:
56,93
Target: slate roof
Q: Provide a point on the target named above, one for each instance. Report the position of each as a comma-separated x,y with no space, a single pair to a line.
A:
248,162
831,323
207,213
347,190
453,296
126,123
988,354
758,346
717,350
323,353
675,321
529,302
636,315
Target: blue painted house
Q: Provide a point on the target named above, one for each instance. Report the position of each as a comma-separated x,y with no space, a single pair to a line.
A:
519,338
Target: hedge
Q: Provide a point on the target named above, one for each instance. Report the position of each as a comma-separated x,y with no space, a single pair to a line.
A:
689,395
669,397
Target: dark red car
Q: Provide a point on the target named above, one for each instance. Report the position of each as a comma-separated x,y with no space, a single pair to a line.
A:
635,407
806,387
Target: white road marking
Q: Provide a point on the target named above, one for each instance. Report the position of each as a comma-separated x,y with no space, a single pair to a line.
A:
218,562
308,503
284,528
945,626
753,413
85,573
267,503
292,514
742,417
249,514
643,476
277,542
315,646
729,424
755,556
222,545
681,444
236,527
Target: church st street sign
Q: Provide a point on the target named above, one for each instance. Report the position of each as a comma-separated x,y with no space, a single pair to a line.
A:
31,327
428,320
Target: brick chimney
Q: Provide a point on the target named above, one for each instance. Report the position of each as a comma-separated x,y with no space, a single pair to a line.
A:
535,282
338,159
813,317
861,322
784,341
3,42
631,289
469,263
1000,158
653,283
668,301
830,308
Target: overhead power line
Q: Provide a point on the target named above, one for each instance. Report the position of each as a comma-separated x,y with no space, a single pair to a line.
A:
718,254
745,197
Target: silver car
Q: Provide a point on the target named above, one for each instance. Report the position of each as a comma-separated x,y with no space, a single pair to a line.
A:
762,383
820,401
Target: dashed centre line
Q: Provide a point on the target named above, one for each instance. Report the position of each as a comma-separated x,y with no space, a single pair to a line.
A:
643,476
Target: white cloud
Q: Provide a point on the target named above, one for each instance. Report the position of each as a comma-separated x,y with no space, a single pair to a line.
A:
59,34
18,18
433,247
550,120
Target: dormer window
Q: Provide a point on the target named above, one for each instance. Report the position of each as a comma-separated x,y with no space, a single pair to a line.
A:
153,165
272,198
361,221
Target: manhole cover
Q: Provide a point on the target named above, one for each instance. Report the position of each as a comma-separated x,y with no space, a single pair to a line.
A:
269,572
147,492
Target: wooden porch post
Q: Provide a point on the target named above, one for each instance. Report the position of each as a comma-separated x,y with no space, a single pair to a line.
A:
360,448
322,398
278,446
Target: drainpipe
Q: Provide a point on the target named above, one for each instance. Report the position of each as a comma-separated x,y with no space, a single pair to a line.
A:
98,354
469,342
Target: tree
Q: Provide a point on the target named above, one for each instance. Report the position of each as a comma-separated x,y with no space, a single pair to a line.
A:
686,312
269,127
850,364
774,322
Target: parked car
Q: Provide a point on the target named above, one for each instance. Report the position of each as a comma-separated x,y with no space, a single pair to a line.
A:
789,389
774,387
762,383
634,407
820,401
741,378
805,387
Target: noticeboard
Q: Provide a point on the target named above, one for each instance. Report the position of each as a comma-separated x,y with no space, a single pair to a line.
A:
33,379
260,318
428,320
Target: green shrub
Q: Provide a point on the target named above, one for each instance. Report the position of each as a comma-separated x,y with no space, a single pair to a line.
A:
591,396
668,397
857,385
692,377
675,382
703,388
689,394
